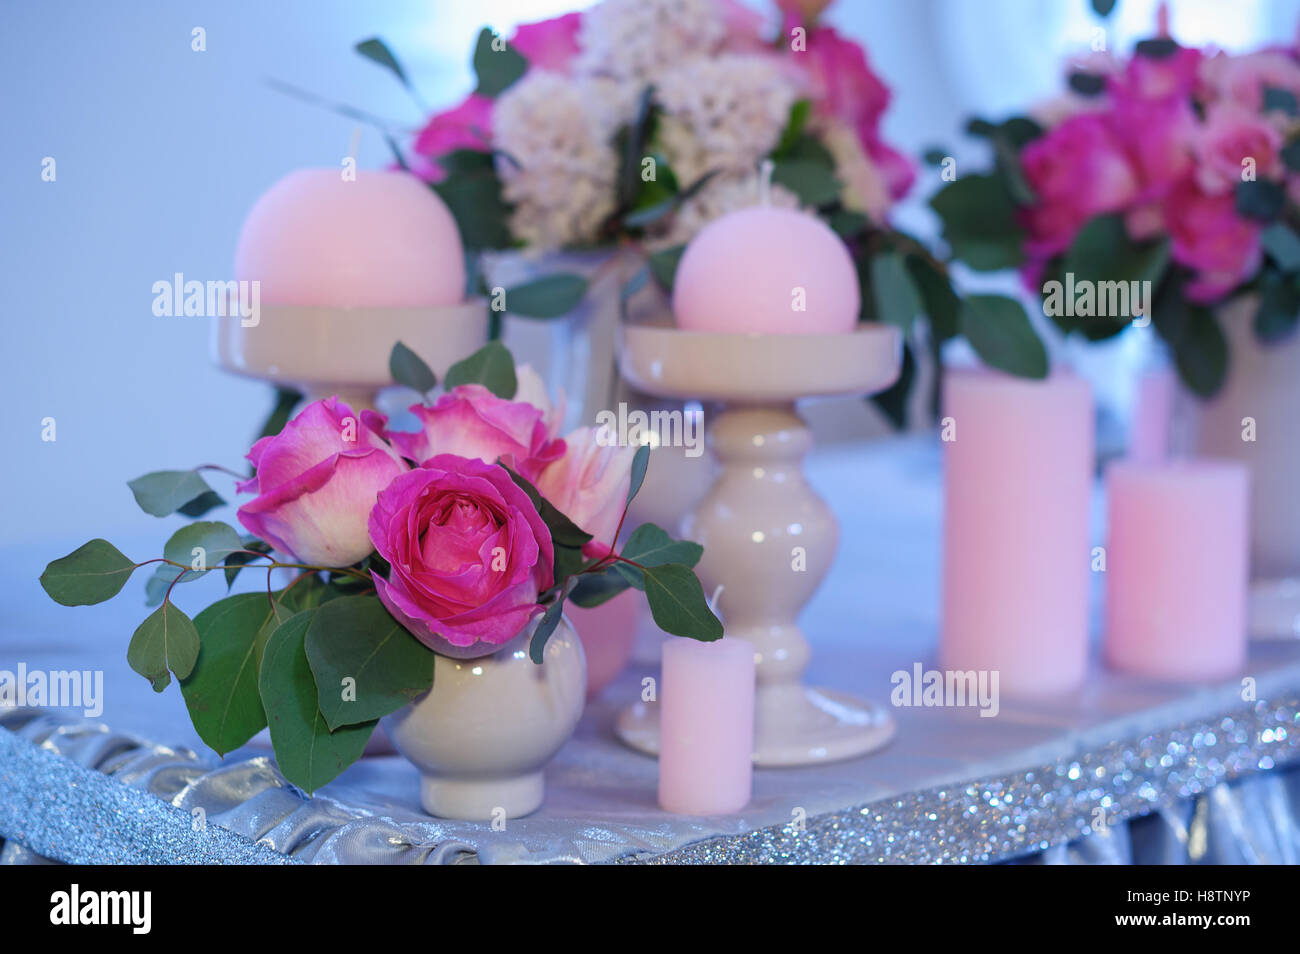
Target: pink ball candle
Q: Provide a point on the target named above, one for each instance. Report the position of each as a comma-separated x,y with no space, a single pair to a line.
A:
1018,459
1177,565
382,240
766,270
706,726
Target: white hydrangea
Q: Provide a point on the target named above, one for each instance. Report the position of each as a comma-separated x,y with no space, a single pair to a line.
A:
723,113
720,195
640,39
559,165
862,186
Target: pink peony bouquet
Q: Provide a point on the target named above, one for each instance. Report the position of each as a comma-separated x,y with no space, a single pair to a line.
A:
456,537
1172,174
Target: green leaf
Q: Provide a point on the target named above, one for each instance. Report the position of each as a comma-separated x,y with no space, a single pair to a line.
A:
308,753
1103,7
640,463
221,693
897,300
1103,254
1087,84
1282,246
365,662
496,69
677,603
938,300
1158,48
1201,354
663,265
408,368
165,491
593,589
202,504
1279,308
548,297
631,143
237,561
794,127
472,191
650,545
167,640
1291,155
156,587
1278,99
811,180
377,51
94,572
892,402
491,366
215,541
545,627
1001,334
1260,199
980,222
286,399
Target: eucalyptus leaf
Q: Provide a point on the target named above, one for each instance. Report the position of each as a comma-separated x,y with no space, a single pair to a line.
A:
1260,199
1001,334
1201,354
377,51
214,542
167,640
92,573
1282,245
897,300
497,64
409,369
677,603
163,492
545,627
365,663
640,463
980,222
286,399
202,504
308,753
491,366
811,180
593,589
663,265
548,297
1279,308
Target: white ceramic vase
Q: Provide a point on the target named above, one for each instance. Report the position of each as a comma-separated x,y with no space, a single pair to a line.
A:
482,736
1263,384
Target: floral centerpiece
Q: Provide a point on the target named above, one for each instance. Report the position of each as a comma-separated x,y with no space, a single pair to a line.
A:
634,123
405,546
1174,168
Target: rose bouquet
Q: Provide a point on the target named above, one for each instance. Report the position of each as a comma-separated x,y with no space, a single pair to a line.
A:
1176,167
452,538
635,123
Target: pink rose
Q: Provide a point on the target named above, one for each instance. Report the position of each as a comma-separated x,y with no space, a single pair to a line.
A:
1159,138
1077,170
589,484
1162,77
468,555
1242,80
316,482
471,421
549,44
1210,237
1229,135
467,126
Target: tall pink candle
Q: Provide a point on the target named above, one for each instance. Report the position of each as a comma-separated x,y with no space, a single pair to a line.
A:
1018,458
706,726
1177,566
1149,434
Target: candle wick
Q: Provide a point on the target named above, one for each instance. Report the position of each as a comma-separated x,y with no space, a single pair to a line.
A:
355,145
765,169
713,600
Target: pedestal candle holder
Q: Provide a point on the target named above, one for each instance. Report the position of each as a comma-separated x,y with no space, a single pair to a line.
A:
345,351
768,538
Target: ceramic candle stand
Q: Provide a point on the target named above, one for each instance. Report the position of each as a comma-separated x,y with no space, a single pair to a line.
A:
345,351
768,538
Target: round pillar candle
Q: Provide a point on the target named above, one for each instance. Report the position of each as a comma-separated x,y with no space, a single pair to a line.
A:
1018,464
1177,565
381,240
766,270
706,726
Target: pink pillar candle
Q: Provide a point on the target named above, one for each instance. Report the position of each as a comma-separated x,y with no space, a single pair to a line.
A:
1149,432
1177,566
706,727
381,240
1018,460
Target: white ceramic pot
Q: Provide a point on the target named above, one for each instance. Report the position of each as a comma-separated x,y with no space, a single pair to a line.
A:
481,737
1263,384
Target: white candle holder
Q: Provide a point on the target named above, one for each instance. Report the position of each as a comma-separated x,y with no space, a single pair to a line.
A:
345,351
768,538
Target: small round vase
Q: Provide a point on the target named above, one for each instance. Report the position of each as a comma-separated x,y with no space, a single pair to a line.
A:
481,737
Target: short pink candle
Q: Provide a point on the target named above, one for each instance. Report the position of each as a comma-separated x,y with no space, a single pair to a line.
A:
766,270
382,240
706,726
1149,434
1018,459
1177,566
